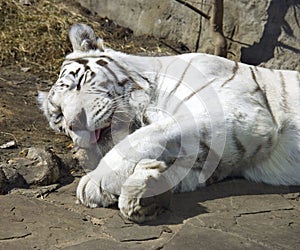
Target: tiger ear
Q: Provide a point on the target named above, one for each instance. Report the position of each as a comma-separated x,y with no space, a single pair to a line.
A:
83,38
42,99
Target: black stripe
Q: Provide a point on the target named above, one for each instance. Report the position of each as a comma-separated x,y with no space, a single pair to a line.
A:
238,145
77,71
192,94
62,73
270,142
74,74
63,85
123,82
67,63
180,80
256,101
82,61
112,73
203,152
234,72
216,176
263,94
93,75
125,72
256,151
101,62
79,82
198,90
107,57
99,111
257,89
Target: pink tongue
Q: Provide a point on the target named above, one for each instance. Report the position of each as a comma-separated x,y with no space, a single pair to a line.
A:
98,133
97,136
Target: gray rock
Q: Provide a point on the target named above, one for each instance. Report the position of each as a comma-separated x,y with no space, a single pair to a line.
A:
37,192
88,159
257,31
3,182
40,166
10,178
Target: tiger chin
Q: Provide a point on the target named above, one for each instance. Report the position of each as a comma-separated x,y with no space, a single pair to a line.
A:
173,123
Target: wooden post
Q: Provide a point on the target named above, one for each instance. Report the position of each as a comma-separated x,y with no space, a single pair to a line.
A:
216,28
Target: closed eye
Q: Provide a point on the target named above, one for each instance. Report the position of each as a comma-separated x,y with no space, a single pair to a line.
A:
58,118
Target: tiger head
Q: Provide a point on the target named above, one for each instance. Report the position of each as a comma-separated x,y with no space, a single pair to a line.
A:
93,83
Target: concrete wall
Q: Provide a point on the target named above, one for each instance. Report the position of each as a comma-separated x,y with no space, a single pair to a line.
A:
258,31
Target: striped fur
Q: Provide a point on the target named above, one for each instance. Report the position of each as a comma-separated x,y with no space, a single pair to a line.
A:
189,120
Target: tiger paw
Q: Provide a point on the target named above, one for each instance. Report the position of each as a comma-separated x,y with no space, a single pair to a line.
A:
146,193
90,194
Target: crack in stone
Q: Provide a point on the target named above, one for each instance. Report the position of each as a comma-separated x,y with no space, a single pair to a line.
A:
262,212
141,240
172,237
16,237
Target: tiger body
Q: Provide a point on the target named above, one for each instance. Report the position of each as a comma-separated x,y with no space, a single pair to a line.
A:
197,119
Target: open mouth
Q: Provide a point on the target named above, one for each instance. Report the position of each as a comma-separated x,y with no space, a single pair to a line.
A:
99,133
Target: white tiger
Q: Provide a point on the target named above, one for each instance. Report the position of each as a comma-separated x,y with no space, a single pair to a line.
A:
172,124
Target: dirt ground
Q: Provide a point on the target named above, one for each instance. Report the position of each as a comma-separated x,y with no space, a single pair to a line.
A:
234,214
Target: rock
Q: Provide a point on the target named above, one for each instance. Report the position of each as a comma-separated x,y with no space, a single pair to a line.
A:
257,31
3,182
38,167
38,192
88,159
10,144
10,178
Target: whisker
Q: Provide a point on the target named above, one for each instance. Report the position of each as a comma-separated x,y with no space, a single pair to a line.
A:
121,96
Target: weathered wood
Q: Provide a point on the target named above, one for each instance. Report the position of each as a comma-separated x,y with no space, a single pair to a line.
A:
216,28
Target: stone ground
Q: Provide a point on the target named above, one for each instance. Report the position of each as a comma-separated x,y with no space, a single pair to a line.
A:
234,214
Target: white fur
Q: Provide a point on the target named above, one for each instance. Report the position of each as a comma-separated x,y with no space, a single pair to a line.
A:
247,116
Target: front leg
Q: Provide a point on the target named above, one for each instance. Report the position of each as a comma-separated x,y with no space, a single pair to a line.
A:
102,186
127,172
